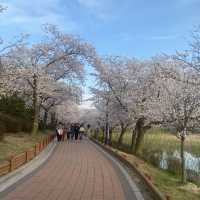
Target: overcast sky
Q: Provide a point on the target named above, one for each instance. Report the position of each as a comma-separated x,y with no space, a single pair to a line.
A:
139,28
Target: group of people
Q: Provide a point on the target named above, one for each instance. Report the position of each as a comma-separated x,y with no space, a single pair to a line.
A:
74,132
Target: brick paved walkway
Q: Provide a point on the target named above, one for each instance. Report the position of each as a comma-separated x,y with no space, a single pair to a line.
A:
76,171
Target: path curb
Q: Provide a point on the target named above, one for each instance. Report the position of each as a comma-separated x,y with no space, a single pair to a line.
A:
156,193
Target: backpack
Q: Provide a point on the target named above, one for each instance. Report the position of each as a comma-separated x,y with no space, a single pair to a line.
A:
82,129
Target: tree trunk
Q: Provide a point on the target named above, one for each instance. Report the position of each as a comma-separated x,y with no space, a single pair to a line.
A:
110,136
96,132
140,131
102,129
123,130
139,142
133,140
183,171
106,141
35,107
53,120
45,118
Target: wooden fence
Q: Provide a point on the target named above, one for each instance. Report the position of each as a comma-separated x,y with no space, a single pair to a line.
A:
18,160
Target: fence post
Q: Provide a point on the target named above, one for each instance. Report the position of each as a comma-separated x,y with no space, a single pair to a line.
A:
168,197
43,143
12,163
26,156
35,149
41,146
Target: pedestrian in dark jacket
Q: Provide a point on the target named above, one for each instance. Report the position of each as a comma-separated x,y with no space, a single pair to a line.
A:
72,131
68,132
76,131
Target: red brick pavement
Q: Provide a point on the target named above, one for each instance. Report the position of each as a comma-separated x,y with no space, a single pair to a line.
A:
76,171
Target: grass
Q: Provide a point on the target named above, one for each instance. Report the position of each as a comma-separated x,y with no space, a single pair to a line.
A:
14,144
169,142
169,184
158,139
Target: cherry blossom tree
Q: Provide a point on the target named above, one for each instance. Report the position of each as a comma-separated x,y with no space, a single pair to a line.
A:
103,102
67,112
178,98
59,57
63,93
180,91
132,85
184,94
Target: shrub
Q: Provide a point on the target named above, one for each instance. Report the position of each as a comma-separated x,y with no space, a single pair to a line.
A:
14,115
15,106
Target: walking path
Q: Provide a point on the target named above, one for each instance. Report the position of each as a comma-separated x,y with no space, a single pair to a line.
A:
75,171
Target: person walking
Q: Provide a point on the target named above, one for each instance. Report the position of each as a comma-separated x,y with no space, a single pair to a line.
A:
72,131
64,132
68,132
88,131
76,131
59,132
81,132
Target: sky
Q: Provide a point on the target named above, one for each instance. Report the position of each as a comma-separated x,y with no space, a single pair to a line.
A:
134,28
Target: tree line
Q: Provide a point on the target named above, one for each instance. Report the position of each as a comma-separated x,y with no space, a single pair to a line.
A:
46,74
135,94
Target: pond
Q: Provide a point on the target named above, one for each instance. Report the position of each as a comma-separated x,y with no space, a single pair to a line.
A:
172,162
191,162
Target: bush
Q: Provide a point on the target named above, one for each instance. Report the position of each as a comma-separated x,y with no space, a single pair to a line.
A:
15,106
10,123
14,115
152,156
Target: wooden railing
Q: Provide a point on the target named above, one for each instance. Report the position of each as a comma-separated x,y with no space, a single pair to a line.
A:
16,161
